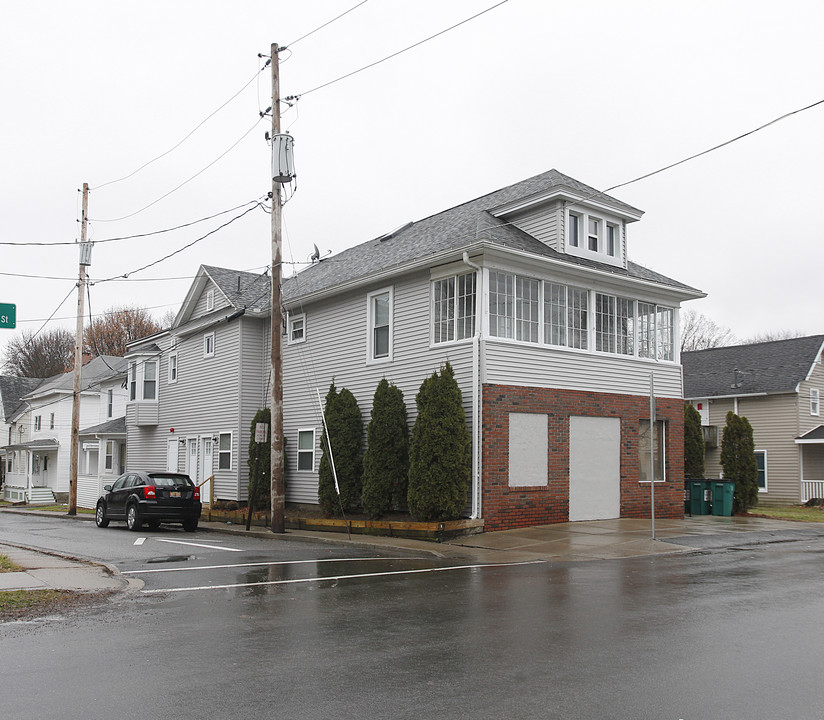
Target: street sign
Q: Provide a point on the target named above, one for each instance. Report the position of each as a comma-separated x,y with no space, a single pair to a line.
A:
8,315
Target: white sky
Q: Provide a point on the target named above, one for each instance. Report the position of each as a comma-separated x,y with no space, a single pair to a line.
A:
602,90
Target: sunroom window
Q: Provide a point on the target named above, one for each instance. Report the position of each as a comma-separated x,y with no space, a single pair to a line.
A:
453,308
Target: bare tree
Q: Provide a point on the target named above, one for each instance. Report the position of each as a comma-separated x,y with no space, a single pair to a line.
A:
772,335
698,332
47,353
167,319
110,332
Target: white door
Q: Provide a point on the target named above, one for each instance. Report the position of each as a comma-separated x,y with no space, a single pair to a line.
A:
171,456
594,468
191,460
206,470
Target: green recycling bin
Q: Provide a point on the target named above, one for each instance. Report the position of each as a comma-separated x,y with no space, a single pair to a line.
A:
722,494
698,496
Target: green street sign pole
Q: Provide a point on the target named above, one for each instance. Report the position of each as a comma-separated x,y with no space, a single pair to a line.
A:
8,315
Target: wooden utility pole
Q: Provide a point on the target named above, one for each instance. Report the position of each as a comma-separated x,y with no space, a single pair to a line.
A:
278,486
78,354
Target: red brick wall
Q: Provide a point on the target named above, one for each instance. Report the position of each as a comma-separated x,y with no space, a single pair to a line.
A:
505,507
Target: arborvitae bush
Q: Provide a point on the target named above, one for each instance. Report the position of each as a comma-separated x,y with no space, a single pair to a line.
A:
260,458
386,461
343,421
738,461
693,443
441,450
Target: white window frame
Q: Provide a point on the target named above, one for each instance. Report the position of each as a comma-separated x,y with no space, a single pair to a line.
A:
133,381
38,422
109,403
643,454
305,451
221,453
209,345
370,326
108,461
763,453
173,367
579,235
296,324
143,385
815,402
453,308
137,380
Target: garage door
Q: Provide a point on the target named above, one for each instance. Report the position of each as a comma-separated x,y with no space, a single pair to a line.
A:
594,468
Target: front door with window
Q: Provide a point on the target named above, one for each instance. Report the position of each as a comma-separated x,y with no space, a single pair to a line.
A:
206,470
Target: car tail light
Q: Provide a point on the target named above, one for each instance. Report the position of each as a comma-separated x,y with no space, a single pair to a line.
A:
149,492
197,493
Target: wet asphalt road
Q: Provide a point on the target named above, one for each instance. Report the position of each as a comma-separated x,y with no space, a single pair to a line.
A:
714,634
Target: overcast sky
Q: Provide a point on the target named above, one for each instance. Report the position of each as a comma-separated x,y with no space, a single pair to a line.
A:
603,91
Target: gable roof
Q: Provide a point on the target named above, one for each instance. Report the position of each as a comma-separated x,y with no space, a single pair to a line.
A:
96,371
240,289
461,228
762,368
116,426
12,391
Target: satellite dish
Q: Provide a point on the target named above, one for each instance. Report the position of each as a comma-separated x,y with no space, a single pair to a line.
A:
315,255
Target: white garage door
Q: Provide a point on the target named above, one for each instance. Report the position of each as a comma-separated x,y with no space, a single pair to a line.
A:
594,468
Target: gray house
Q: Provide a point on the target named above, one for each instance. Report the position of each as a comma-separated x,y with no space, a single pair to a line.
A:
553,333
777,387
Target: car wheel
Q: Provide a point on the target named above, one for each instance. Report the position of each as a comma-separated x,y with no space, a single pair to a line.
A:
100,516
133,521
190,525
153,524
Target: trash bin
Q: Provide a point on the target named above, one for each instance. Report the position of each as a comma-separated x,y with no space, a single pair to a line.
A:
722,494
698,496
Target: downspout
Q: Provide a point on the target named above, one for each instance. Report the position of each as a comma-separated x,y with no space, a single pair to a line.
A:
476,394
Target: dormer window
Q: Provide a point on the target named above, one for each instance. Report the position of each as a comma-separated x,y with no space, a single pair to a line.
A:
602,241
574,229
594,234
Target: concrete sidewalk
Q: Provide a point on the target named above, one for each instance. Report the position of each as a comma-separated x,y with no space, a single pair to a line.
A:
562,542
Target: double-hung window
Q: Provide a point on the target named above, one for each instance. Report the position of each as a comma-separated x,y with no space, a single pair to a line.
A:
224,451
453,308
296,328
142,379
109,458
209,345
150,380
173,368
38,422
761,465
815,402
306,449
133,380
109,404
379,315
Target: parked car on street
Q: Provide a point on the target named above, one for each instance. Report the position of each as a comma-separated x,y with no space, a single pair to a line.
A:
150,497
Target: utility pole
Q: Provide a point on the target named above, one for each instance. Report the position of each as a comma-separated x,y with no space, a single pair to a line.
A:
278,486
85,259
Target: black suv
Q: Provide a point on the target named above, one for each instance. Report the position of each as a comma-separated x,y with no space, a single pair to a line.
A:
150,497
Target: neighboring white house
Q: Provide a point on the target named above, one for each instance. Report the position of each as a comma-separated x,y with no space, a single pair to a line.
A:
14,426
42,450
553,333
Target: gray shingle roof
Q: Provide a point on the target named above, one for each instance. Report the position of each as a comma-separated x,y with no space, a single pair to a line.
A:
12,390
117,426
97,370
454,230
771,367
814,434
243,289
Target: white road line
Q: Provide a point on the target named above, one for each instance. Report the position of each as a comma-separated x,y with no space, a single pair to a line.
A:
139,541
339,577
257,564
200,545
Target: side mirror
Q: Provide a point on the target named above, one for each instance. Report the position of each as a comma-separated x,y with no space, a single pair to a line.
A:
107,488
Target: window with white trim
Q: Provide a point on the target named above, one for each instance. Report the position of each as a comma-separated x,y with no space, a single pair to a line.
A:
209,345
614,324
142,378
297,328
453,308
133,380
109,457
659,451
109,404
815,403
51,420
761,464
566,312
210,300
379,319
172,368
224,451
594,235
150,380
38,422
306,449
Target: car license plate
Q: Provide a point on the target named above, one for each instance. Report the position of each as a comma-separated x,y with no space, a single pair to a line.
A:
174,493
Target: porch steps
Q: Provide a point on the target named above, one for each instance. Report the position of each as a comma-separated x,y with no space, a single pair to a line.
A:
40,496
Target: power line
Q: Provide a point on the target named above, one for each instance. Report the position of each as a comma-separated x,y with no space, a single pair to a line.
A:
130,237
192,132
320,27
395,54
185,182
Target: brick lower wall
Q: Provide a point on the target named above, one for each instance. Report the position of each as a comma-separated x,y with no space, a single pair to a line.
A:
510,507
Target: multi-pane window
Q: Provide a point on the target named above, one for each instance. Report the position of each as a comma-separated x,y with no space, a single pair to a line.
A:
815,403
566,312
109,404
659,445
578,318
109,458
133,380
646,330
526,309
380,320
594,234
306,449
501,305
664,334
454,308
297,328
761,464
224,451
172,368
614,324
